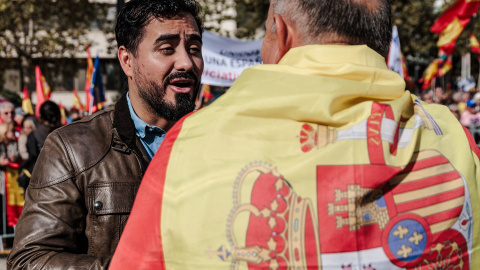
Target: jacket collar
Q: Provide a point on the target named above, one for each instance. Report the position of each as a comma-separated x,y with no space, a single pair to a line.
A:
123,123
125,128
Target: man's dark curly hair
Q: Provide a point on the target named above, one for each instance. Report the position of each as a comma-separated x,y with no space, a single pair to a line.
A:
136,14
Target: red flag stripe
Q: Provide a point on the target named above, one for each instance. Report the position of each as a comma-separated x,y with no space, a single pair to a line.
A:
432,200
422,164
444,216
426,182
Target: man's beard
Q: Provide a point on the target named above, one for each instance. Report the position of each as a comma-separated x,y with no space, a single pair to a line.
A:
153,94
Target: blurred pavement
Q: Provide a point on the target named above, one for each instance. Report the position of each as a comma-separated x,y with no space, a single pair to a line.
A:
3,262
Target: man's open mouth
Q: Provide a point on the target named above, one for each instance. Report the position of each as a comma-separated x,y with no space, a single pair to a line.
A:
182,85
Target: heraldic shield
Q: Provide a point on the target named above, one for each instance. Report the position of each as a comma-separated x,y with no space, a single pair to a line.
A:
416,217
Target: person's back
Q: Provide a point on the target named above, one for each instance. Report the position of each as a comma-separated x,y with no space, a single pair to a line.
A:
321,161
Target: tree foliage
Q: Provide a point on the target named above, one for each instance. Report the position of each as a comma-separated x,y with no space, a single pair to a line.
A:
251,16
33,31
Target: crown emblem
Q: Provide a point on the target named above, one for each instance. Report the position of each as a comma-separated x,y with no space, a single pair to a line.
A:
316,137
281,231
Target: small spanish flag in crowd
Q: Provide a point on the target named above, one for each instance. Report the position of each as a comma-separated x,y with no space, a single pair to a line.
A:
26,102
77,104
474,45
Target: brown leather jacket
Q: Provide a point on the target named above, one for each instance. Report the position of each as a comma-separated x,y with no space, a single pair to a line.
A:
81,193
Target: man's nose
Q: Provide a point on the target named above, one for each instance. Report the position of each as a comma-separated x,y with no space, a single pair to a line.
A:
184,61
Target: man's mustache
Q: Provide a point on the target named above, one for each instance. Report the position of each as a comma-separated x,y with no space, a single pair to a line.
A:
180,75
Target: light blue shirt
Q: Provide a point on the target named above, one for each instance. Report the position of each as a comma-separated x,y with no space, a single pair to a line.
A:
150,136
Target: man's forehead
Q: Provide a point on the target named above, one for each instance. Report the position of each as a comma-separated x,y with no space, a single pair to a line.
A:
174,25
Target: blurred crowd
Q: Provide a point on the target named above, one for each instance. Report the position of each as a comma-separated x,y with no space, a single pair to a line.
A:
465,105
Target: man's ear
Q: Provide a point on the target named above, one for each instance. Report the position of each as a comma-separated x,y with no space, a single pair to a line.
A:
285,36
125,59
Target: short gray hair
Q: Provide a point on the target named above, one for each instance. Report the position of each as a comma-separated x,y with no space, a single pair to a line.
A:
354,22
6,104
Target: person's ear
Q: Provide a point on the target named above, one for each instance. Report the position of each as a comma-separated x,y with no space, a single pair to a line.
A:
125,59
285,36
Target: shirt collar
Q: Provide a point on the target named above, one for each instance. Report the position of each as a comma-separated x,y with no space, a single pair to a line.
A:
141,127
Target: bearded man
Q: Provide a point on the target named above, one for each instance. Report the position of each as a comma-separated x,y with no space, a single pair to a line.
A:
318,159
87,175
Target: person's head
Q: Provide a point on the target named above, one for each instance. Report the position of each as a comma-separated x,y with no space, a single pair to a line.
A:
471,106
7,111
428,97
29,124
294,23
457,97
74,114
50,114
465,96
454,109
160,51
19,116
7,133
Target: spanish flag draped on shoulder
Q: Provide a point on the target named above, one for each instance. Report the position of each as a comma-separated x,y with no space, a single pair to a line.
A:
322,161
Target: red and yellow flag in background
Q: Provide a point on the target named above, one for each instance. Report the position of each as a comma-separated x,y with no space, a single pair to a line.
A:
39,90
77,104
447,66
462,9
474,45
88,80
452,22
13,195
26,102
63,115
430,73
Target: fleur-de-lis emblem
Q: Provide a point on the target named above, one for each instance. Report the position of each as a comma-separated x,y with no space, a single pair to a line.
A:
401,232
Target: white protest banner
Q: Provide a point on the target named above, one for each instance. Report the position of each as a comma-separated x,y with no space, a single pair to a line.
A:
226,58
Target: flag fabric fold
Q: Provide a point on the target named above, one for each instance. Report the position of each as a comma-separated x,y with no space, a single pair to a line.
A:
39,90
88,80
447,66
27,102
96,90
462,9
429,73
474,44
13,195
77,104
63,115
394,61
450,34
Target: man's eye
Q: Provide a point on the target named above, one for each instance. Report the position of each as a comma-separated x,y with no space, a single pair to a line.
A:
167,50
195,50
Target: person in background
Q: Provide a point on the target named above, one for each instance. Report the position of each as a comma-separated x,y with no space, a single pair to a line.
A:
73,115
470,116
462,104
8,145
49,121
317,159
454,109
7,112
18,119
8,155
28,125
